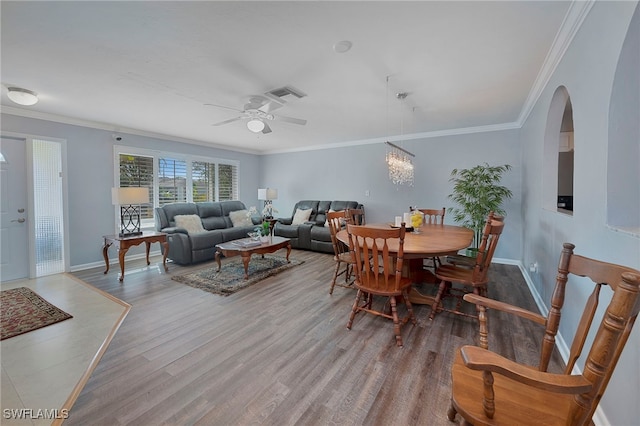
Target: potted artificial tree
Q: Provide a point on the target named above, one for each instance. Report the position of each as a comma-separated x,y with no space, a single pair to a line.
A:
477,191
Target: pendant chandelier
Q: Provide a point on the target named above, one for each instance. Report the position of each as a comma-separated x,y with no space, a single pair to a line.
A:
400,165
399,159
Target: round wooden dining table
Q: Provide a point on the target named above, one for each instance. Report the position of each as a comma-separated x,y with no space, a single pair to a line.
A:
431,240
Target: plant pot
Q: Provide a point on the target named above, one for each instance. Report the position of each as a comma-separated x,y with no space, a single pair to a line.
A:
264,239
471,252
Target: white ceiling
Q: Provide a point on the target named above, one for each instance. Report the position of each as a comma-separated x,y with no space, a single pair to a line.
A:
152,66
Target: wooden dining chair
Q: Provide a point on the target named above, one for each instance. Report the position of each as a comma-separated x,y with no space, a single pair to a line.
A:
471,279
433,217
490,389
464,260
378,272
355,216
342,256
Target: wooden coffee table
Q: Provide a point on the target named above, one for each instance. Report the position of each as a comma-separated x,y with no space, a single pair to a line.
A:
238,247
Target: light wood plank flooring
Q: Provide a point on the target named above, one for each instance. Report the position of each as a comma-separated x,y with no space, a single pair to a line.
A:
278,353
45,369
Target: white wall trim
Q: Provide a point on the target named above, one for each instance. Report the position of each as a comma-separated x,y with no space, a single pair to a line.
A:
20,112
114,261
578,11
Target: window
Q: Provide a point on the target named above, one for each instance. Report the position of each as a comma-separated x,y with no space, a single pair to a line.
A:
172,181
137,170
175,178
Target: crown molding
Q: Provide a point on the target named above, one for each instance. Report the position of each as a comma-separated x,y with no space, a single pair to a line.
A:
401,138
22,112
576,14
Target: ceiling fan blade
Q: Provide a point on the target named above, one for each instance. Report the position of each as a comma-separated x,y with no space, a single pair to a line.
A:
231,120
225,107
266,129
290,119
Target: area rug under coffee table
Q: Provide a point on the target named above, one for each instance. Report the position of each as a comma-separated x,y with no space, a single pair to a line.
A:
23,310
231,276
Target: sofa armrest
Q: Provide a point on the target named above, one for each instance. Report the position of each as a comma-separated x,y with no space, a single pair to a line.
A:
304,235
179,246
174,230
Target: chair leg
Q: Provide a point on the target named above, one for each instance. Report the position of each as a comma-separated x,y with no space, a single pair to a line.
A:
438,299
409,307
347,273
335,277
451,414
354,309
396,321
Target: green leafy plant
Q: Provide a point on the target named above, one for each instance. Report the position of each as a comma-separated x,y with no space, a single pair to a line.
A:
477,192
263,229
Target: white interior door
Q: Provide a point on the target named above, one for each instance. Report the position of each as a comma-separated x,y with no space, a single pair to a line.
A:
14,230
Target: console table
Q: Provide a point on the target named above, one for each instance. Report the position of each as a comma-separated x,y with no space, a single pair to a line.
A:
124,243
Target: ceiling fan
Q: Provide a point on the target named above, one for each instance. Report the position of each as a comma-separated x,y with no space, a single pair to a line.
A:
258,112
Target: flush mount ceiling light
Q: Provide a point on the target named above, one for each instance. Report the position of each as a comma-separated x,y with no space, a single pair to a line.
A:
342,46
255,125
22,96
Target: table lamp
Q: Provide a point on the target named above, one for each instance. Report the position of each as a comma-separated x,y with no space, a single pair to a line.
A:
129,200
268,195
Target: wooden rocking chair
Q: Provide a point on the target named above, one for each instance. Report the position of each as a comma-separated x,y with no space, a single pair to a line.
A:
488,389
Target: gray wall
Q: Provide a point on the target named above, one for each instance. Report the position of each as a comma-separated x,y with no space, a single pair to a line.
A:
532,234
587,70
347,173
90,178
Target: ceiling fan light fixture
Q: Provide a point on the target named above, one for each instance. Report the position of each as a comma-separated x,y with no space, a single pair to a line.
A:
22,96
255,125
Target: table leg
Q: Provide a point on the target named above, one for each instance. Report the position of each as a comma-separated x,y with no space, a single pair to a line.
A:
418,274
417,298
245,262
148,244
121,254
165,252
105,254
288,252
218,254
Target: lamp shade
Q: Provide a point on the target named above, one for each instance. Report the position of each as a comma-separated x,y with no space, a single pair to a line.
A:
267,194
131,195
22,96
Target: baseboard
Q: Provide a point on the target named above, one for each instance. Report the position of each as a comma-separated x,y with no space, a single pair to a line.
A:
113,261
599,417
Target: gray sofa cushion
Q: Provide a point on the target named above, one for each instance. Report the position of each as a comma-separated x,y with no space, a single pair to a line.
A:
312,235
187,248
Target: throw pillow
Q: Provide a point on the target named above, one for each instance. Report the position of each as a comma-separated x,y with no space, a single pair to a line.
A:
240,218
326,222
301,216
190,222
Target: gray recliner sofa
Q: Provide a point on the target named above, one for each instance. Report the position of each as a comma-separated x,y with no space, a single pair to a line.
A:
185,248
313,234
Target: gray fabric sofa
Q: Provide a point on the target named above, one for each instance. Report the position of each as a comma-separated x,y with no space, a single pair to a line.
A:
185,248
312,235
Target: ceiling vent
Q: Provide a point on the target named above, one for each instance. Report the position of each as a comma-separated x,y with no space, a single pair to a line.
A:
287,90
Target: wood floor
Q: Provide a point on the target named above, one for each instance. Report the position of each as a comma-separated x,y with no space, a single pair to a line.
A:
279,353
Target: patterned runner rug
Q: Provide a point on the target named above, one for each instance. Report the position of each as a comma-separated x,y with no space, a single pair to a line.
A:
231,276
23,311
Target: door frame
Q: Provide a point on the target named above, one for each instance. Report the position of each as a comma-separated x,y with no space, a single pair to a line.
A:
28,138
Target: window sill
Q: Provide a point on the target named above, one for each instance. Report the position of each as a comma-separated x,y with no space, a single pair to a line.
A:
628,230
